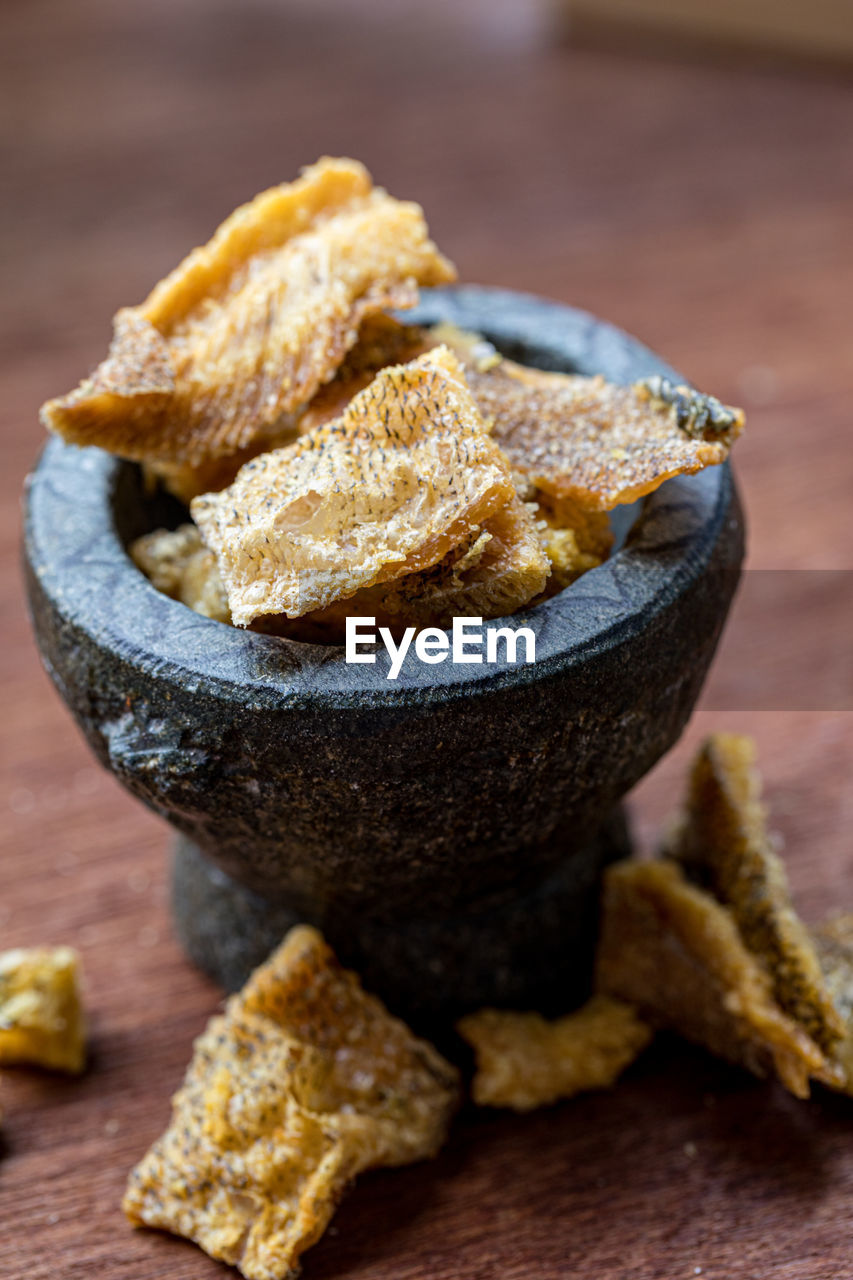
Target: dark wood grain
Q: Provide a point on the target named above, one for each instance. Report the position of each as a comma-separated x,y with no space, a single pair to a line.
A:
707,208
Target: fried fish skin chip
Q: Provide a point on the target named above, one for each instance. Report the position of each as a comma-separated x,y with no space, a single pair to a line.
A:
586,439
177,562
244,1171
574,540
305,1082
250,325
524,1061
382,341
671,950
500,567
403,476
372,1064
503,569
833,942
721,840
41,1014
185,481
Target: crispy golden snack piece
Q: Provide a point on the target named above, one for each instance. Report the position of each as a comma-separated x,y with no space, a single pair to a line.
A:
305,1082
575,540
403,476
249,326
721,840
497,569
592,531
177,562
587,440
186,481
671,950
382,341
524,1061
833,942
596,443
41,1014
501,570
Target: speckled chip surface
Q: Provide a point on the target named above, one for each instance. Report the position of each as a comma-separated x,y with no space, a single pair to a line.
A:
41,1015
526,1061
722,841
502,568
497,569
387,489
303,1083
250,325
590,440
833,942
382,341
674,952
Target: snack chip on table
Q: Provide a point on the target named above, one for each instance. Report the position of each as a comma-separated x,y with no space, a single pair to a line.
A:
525,1061
674,952
41,1014
303,1083
721,840
706,941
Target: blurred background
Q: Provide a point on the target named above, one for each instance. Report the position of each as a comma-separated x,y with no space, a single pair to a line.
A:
683,168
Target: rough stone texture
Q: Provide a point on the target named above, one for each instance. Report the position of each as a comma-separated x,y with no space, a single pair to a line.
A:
516,953
344,795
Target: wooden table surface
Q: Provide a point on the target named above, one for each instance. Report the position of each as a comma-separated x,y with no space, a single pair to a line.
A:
707,208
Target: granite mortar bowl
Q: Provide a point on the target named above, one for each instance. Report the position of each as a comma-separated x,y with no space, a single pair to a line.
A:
447,830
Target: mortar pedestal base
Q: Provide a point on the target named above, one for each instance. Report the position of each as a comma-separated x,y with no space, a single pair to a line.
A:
533,951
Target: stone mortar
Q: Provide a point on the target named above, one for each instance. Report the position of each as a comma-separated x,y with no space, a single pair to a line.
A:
447,830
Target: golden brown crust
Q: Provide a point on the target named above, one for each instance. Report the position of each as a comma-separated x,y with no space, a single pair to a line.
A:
305,1082
669,948
833,942
249,326
177,562
41,1014
133,387
575,540
525,1061
589,440
185,481
382,341
497,569
722,842
502,569
586,439
406,474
